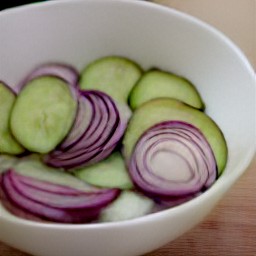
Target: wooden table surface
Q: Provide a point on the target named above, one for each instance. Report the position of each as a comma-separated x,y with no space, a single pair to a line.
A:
230,230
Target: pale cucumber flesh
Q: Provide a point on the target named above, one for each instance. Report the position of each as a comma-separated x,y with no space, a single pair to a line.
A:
109,173
43,114
158,84
113,75
128,205
8,144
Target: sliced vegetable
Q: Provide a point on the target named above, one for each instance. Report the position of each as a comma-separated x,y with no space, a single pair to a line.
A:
159,84
8,143
6,162
93,140
113,75
69,206
163,203
33,167
172,159
43,113
166,109
66,72
12,208
84,120
128,205
171,150
109,173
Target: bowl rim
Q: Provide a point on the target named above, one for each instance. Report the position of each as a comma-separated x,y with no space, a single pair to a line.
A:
221,184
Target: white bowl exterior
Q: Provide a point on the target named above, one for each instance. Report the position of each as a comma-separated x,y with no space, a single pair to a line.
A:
130,238
78,32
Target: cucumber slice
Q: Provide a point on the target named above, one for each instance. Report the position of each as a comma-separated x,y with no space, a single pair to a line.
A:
7,162
128,205
109,173
8,144
32,167
43,114
157,84
115,76
165,109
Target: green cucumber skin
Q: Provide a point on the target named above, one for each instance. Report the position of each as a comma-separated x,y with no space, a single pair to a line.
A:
158,84
113,75
109,173
43,114
8,144
166,109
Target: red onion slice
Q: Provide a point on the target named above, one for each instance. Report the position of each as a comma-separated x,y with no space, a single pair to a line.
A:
94,137
12,208
95,124
64,71
101,133
42,185
172,159
62,201
124,116
85,115
164,143
49,205
111,118
163,203
68,161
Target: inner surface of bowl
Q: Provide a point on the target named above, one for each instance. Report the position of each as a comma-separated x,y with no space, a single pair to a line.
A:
77,32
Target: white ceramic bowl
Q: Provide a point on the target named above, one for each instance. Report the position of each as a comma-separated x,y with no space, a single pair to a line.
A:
78,32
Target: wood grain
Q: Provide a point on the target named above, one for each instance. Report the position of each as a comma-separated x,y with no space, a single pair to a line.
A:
230,230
